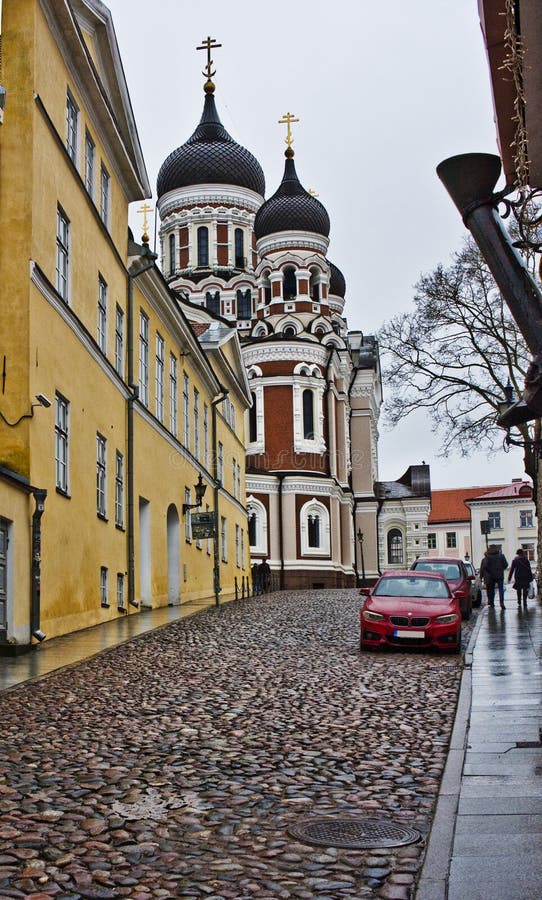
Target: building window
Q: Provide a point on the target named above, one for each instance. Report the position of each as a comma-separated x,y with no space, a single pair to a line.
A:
494,519
289,284
252,528
203,247
315,528
104,590
172,254
62,253
61,443
224,539
257,526
239,240
308,415
90,160
120,592
529,551
159,378
101,476
173,394
289,332
212,302
237,546
72,127
119,490
525,518
186,412
253,420
119,341
432,541
244,304
196,424
313,522
395,547
451,540
206,458
102,315
143,358
105,188
221,462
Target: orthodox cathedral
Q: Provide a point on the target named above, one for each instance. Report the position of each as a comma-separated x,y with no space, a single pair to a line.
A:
261,268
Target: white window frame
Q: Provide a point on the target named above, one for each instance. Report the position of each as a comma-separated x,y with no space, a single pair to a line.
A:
104,587
224,538
186,411
432,540
301,443
119,341
237,545
451,540
90,164
62,254
526,518
220,462
313,507
62,443
119,489
159,377
257,446
196,424
143,358
105,195
494,515
102,314
72,128
206,446
173,422
101,475
120,592
256,507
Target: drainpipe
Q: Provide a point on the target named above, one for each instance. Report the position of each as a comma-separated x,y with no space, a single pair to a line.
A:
35,570
281,477
132,397
216,556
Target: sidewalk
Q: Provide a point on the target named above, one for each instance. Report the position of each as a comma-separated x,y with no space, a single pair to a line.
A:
486,838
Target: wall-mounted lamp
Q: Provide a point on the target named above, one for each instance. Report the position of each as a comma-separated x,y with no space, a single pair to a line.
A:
200,489
42,401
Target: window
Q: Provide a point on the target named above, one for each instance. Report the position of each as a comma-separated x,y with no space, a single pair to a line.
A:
289,284
173,394
212,302
62,253
72,127
102,315
105,188
186,413
143,358
525,518
206,435
61,443
224,539
119,341
237,546
431,541
196,424
253,420
221,462
451,540
289,332
244,304
314,530
101,476
172,254
104,590
243,556
494,519
90,158
252,528
120,592
257,526
239,240
395,547
203,247
119,490
159,378
529,551
308,415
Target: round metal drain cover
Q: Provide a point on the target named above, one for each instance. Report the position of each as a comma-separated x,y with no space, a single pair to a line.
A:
353,834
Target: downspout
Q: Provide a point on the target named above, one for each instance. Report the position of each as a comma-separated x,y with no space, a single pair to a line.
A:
35,565
216,556
281,477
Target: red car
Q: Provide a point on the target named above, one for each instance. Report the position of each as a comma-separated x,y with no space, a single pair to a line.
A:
411,609
455,574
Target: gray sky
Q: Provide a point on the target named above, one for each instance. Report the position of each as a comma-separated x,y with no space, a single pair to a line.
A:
384,92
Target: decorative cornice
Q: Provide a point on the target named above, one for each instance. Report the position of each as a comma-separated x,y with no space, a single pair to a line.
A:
262,353
208,195
282,240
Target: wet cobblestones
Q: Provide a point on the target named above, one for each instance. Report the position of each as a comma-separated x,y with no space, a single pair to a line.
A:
173,765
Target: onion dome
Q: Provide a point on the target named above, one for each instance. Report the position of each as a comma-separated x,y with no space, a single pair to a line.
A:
291,208
337,284
210,156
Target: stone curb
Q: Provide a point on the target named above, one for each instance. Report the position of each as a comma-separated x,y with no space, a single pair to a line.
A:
433,881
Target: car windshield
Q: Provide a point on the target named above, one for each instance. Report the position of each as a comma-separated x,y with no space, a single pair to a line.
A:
449,570
411,586
470,568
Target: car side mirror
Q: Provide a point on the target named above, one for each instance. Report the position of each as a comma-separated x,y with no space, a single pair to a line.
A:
365,592
459,595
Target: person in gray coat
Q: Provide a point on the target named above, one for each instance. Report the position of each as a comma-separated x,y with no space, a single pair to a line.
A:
492,572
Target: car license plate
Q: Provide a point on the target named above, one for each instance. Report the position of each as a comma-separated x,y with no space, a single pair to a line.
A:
411,633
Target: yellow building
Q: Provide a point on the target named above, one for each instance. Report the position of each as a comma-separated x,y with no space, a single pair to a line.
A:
112,406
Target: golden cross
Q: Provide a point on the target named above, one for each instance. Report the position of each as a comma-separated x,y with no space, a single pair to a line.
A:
206,45
287,119
312,193
145,209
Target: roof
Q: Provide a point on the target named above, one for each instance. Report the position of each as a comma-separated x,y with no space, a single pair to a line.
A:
291,208
449,505
509,492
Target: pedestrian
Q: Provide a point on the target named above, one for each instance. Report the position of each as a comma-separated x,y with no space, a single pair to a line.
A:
256,588
523,575
492,571
265,575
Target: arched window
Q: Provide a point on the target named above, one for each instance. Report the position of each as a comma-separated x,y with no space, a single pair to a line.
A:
253,420
315,285
308,415
289,284
257,525
289,332
244,304
212,302
395,547
313,529
266,288
252,528
239,240
203,246
172,254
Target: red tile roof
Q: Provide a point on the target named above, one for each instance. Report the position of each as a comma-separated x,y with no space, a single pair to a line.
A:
449,505
509,491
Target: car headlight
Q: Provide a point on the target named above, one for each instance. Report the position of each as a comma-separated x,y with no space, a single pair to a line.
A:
370,616
447,619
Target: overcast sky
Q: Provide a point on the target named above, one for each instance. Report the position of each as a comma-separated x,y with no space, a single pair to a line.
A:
384,92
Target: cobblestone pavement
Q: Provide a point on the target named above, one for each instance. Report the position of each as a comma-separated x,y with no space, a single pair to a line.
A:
173,765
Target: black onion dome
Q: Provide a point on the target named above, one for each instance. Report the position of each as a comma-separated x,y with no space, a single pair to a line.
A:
210,156
337,284
291,208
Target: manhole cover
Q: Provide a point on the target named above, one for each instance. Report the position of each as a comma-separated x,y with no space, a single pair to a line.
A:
353,833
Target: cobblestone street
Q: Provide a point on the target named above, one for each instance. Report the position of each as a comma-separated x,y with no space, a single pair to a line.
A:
173,765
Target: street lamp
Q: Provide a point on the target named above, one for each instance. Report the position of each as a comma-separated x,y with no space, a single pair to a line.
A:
200,489
510,415
360,539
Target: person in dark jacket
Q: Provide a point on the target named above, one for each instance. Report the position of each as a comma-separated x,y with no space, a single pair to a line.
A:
523,575
492,571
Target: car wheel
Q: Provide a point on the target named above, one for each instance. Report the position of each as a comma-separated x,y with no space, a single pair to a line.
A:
468,612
